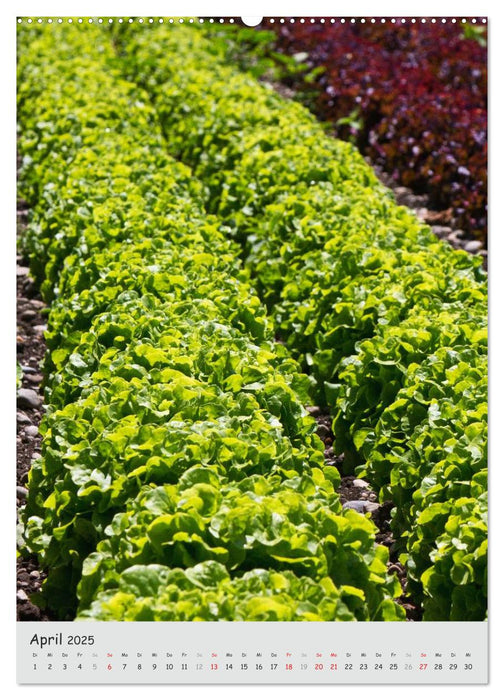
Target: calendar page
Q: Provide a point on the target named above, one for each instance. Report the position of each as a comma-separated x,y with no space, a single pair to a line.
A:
252,350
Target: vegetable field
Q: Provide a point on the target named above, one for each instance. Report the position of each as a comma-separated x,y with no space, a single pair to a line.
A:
215,266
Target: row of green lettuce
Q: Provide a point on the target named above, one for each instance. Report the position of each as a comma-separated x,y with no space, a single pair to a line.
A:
390,321
180,475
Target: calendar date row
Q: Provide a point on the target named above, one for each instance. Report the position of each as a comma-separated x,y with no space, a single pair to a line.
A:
361,667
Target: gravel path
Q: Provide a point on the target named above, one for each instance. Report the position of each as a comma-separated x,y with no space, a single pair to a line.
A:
357,494
30,352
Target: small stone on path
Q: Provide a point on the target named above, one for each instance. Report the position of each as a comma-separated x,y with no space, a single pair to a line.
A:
360,484
361,506
27,398
28,314
34,378
22,419
473,246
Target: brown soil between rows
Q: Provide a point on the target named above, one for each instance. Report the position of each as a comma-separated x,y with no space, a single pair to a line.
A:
353,490
30,353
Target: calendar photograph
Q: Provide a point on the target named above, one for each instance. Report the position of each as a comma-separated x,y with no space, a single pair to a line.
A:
252,333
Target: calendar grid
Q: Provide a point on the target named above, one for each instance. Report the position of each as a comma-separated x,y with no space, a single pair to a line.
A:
252,652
